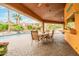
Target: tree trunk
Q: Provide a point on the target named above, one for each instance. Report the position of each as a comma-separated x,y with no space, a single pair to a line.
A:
17,21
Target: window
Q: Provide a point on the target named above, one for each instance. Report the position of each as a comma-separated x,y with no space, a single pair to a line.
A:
71,24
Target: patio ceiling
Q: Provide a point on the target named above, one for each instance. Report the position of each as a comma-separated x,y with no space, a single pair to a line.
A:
46,12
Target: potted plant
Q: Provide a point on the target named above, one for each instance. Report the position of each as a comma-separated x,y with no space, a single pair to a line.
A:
3,48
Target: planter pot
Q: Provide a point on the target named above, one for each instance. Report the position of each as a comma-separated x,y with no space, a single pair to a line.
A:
72,31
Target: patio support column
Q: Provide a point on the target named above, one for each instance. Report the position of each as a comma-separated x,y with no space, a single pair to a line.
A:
64,26
43,26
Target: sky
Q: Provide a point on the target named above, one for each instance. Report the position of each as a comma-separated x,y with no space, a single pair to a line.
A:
4,16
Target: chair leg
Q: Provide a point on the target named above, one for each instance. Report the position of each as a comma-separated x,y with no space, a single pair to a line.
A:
38,43
32,43
52,39
46,39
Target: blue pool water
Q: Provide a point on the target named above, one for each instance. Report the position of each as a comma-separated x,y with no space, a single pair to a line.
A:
12,35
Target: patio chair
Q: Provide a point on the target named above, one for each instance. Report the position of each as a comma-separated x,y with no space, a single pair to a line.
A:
35,36
50,36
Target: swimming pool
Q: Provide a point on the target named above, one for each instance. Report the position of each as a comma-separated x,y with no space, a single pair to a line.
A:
13,35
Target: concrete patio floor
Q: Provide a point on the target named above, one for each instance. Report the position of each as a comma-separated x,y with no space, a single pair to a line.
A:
21,46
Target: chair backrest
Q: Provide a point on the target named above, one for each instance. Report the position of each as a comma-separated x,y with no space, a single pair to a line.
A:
52,33
34,35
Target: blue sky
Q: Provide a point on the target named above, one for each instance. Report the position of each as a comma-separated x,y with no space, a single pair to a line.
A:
4,16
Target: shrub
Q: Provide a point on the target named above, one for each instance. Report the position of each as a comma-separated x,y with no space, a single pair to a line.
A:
18,28
3,26
29,27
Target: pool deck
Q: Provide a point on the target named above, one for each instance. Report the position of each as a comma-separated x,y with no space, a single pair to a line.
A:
21,46
5,33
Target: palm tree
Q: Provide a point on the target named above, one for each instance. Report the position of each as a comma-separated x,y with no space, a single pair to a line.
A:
17,18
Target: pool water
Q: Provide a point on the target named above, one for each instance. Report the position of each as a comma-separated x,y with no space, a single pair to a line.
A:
13,35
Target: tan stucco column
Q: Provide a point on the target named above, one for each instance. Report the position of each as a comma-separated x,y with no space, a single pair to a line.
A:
43,29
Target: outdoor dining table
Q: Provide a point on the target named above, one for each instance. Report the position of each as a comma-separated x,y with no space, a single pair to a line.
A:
44,35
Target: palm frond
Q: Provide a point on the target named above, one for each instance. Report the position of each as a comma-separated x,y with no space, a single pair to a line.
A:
17,16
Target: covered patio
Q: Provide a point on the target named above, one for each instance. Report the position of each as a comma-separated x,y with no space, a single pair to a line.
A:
20,45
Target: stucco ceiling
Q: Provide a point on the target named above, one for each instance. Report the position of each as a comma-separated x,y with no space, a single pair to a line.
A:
47,12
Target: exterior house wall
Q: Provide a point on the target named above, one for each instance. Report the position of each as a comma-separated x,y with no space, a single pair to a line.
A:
72,39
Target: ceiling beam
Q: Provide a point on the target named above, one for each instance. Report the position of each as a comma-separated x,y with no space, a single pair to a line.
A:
47,21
